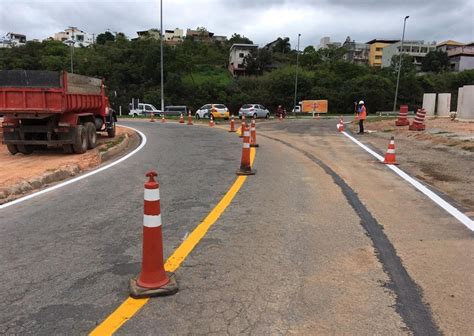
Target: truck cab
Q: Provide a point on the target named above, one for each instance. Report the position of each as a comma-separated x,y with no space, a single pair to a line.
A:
144,109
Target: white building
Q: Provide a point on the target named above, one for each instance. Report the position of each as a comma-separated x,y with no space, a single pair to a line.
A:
325,43
416,49
12,40
73,34
238,51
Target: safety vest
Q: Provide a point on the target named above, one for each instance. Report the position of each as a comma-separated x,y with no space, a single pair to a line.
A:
362,113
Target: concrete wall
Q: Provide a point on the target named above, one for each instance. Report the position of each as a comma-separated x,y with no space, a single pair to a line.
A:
466,63
429,103
466,112
444,104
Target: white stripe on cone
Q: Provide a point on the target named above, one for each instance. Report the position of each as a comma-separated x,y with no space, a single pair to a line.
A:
152,195
151,221
246,133
390,151
246,145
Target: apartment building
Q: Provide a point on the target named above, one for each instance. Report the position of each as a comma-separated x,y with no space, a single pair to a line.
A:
376,51
12,40
416,49
462,57
357,53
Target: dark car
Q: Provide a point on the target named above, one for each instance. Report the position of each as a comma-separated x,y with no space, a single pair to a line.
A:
176,110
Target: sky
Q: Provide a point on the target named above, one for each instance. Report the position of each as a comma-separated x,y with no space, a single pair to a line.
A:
260,20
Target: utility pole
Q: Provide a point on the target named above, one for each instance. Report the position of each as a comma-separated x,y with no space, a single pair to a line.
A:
399,65
296,75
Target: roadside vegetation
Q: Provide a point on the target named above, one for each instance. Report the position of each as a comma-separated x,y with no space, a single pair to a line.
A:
196,73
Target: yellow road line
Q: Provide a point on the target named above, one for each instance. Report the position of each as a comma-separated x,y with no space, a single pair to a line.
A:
131,306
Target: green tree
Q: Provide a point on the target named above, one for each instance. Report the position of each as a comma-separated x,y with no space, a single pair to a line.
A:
435,61
236,38
102,38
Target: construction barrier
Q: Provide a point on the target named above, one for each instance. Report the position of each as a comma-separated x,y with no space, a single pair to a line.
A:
419,123
403,116
153,280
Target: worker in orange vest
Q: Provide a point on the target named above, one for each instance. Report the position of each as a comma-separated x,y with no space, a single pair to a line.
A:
361,115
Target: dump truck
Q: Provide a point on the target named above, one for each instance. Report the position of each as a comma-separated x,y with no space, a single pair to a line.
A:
53,108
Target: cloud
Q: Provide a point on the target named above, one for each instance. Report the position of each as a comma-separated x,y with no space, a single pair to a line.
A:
262,21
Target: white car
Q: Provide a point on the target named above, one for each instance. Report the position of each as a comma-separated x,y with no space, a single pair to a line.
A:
217,111
144,109
254,111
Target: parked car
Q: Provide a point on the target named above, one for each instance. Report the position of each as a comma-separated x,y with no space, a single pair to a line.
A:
254,111
144,109
176,110
217,111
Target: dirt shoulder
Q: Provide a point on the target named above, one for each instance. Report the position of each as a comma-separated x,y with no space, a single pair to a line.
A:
441,156
21,174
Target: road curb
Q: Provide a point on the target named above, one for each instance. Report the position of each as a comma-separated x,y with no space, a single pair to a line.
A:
21,188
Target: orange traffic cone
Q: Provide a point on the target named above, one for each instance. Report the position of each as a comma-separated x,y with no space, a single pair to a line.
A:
211,120
232,124
163,120
181,119
340,125
243,127
253,134
317,118
190,118
280,118
245,168
390,155
153,280
152,117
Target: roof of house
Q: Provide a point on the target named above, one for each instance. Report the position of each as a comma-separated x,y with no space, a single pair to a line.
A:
243,46
381,41
450,42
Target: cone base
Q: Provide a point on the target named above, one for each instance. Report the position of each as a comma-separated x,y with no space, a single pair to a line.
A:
138,292
402,123
246,172
254,145
152,120
231,131
391,163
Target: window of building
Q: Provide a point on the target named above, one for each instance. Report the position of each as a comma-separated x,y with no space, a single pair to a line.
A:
240,66
80,37
378,57
241,55
378,49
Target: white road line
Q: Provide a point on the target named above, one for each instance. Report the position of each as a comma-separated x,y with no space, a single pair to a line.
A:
81,177
435,198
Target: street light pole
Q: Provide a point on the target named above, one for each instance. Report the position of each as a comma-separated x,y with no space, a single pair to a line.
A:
399,65
296,75
161,56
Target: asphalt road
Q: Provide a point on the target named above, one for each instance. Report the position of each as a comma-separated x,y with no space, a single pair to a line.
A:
321,241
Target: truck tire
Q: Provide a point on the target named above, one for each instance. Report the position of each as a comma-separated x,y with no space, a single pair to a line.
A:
80,140
25,149
68,149
13,149
91,135
111,132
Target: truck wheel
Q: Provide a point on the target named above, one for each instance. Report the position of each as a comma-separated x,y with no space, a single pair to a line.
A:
25,149
111,132
91,135
68,149
80,140
13,149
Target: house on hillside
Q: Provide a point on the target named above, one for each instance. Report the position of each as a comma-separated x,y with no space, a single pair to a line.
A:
12,40
237,54
200,35
73,35
462,57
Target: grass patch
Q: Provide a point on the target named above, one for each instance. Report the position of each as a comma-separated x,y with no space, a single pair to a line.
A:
216,76
105,147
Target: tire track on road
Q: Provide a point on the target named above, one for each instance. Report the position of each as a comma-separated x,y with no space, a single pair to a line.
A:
409,303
